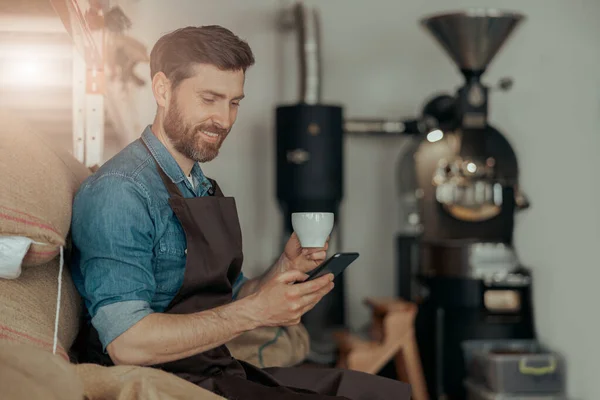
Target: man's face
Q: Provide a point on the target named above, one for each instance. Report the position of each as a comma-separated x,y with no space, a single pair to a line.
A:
202,111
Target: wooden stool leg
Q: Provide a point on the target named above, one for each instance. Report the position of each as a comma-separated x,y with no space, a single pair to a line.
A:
401,372
414,370
392,338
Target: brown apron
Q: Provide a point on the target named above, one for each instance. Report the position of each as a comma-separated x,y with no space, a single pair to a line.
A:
214,260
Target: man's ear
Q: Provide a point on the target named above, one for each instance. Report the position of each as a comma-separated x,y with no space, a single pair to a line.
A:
161,88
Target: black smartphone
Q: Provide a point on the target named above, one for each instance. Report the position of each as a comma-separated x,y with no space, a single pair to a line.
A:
336,264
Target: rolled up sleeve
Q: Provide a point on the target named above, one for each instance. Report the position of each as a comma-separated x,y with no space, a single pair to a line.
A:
113,319
113,232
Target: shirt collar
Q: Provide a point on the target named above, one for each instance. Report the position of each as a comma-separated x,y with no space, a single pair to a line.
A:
166,161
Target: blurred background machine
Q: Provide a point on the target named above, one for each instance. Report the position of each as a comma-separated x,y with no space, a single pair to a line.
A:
459,192
310,162
455,253
309,168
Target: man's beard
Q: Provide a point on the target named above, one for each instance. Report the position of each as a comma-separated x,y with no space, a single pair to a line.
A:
187,139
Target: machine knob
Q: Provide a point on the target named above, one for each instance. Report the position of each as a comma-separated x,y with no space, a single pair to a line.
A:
505,84
298,156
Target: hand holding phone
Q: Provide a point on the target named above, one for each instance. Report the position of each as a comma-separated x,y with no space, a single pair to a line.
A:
281,302
335,265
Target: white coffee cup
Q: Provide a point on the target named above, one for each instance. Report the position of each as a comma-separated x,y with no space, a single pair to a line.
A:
312,228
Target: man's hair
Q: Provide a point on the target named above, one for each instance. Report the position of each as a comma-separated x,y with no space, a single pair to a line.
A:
175,53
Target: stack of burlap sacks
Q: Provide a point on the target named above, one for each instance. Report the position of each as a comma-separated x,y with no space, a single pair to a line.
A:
37,185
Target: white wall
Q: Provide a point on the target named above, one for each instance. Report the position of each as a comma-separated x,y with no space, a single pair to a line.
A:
379,62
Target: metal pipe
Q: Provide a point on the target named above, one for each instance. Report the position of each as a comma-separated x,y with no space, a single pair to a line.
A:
309,52
383,127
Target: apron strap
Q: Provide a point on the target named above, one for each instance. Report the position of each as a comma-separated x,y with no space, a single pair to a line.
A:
215,190
171,187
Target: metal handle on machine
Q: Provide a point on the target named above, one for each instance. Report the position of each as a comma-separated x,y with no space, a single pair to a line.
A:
521,200
537,371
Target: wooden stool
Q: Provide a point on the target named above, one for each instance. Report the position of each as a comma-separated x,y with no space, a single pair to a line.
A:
392,336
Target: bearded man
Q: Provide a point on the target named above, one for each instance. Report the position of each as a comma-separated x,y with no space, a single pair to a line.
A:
158,248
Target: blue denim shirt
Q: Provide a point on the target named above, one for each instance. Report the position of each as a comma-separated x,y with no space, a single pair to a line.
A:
129,249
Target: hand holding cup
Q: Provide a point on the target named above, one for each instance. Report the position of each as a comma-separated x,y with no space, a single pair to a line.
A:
312,228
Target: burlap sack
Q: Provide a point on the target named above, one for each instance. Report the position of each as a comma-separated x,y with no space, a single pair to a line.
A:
137,383
272,347
37,185
28,307
27,373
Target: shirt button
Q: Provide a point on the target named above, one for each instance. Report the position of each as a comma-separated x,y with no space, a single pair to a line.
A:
185,251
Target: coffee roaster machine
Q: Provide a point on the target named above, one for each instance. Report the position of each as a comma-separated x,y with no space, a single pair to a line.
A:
455,252
459,191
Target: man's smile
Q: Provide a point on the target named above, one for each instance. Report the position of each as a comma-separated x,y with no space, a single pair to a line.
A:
210,137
